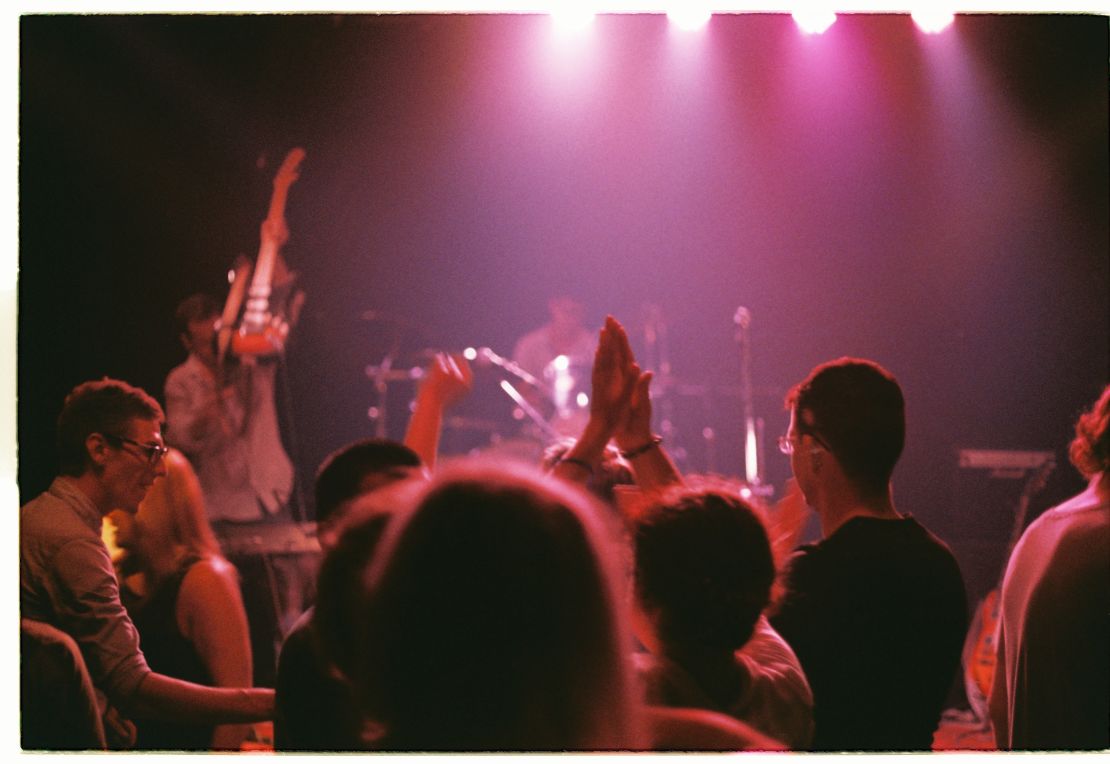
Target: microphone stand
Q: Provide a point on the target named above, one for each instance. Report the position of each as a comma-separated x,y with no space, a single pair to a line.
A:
753,430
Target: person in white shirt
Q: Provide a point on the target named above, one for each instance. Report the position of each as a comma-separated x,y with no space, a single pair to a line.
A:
1052,683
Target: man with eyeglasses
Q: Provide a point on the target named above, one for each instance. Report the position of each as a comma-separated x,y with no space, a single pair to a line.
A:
110,453
876,611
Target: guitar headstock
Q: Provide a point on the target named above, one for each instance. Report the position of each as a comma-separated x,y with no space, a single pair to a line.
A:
290,168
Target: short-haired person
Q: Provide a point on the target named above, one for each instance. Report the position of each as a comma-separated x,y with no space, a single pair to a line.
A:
315,709
703,574
1052,682
110,452
876,611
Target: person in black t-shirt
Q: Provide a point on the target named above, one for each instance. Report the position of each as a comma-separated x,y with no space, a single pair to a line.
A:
877,610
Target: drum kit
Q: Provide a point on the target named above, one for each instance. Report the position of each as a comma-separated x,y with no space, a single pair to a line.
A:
512,412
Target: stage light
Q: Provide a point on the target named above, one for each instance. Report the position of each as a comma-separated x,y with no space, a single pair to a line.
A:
690,17
470,354
814,20
932,20
572,18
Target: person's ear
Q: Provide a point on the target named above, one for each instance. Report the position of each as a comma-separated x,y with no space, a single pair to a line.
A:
96,447
188,343
816,455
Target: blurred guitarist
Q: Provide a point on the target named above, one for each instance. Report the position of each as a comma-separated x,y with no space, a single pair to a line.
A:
223,416
221,412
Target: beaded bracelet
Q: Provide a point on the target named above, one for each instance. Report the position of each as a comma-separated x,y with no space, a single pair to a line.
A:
656,440
579,462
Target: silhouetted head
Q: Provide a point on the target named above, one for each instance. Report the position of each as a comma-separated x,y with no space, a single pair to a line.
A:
1090,450
355,469
493,620
613,470
853,408
704,568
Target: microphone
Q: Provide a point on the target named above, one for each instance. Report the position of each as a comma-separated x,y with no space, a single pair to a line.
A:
742,317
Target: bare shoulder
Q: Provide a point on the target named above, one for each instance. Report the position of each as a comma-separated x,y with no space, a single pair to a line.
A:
210,578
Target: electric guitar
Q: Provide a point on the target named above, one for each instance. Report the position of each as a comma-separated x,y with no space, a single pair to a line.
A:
261,332
981,656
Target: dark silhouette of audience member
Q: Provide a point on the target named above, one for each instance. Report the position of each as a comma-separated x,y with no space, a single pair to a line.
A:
110,451
876,611
703,574
58,709
315,709
183,597
1052,682
491,618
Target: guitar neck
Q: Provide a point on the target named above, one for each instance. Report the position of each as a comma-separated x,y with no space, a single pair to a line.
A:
257,313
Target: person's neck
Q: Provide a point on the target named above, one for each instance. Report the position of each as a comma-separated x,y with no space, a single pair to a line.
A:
839,506
90,485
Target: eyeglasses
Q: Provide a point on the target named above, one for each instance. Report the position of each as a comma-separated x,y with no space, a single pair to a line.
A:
154,452
786,443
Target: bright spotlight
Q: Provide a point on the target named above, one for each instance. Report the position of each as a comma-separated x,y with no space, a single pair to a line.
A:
814,20
689,17
572,18
932,20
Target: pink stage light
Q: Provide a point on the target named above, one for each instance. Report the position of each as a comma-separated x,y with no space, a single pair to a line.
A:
691,17
932,20
814,20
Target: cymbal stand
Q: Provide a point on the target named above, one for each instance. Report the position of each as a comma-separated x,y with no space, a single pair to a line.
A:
659,358
382,374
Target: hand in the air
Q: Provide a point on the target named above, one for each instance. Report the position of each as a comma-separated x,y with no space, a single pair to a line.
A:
615,376
448,379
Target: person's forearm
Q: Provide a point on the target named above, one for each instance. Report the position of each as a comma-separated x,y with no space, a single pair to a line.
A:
650,462
425,425
580,461
161,697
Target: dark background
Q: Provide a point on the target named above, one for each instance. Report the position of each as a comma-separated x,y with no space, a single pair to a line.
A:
936,203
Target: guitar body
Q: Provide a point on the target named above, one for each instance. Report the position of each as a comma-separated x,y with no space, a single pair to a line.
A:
980,654
981,662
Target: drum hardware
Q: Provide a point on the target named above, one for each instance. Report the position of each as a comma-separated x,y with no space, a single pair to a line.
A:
529,410
485,355
383,374
470,423
753,429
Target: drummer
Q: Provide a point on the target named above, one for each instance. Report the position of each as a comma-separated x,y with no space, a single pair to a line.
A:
560,354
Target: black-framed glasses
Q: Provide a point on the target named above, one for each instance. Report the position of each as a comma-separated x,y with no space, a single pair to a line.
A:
786,443
154,452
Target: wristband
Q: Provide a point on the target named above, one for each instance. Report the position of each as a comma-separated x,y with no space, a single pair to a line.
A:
632,453
579,462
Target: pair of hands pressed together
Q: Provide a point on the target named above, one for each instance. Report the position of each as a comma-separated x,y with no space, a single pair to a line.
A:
620,400
620,410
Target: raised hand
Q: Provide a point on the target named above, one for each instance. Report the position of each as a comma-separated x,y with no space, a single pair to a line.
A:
448,379
613,381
